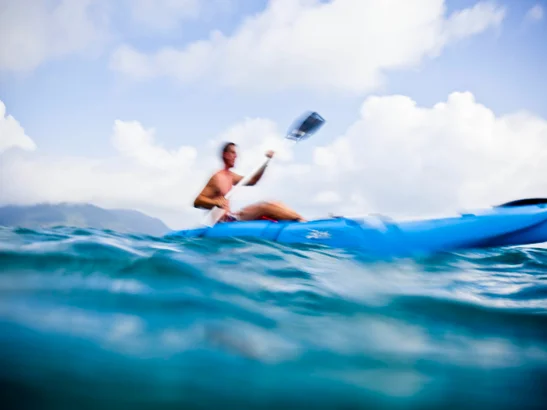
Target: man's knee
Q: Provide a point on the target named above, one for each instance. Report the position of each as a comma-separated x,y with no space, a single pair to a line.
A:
275,204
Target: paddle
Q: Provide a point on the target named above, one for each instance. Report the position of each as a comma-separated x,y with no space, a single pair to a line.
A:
303,128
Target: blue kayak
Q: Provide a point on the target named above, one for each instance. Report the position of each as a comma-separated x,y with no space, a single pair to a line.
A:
514,223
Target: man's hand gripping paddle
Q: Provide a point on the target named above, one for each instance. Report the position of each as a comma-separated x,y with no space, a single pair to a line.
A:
303,128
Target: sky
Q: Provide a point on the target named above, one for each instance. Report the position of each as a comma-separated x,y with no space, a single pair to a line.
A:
431,106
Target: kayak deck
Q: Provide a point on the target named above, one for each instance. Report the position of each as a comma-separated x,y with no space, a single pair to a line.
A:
499,226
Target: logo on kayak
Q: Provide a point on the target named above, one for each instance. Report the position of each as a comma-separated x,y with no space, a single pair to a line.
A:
313,234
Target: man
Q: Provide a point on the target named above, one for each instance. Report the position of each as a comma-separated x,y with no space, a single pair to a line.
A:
222,181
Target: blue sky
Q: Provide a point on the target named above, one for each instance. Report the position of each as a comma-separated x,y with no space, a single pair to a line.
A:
68,103
502,68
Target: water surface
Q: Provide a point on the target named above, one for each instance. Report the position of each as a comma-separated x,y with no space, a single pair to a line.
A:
99,319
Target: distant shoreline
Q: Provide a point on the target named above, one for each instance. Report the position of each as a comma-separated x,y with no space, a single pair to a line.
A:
81,215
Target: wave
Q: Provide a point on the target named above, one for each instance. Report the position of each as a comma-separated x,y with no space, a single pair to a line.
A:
256,324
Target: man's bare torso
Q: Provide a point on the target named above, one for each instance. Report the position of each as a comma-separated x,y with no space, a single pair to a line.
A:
222,182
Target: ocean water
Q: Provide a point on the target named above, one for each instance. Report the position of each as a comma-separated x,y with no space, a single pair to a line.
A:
94,319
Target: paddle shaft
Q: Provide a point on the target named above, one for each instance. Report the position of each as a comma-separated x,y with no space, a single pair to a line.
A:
247,178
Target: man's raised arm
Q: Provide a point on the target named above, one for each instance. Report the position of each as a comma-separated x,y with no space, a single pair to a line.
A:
236,178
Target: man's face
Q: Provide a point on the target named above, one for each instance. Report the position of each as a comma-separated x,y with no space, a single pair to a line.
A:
230,156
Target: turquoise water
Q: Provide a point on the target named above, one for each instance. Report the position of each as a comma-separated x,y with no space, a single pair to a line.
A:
98,319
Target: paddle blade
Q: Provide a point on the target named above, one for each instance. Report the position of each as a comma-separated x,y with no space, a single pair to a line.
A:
305,126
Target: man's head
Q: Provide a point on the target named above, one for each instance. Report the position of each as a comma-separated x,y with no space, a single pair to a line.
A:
229,154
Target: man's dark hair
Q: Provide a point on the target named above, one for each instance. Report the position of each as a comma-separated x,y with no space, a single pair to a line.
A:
226,146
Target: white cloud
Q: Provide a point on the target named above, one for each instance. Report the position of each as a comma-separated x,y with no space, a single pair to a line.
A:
135,142
474,20
34,31
535,13
407,159
12,134
339,45
397,158
144,176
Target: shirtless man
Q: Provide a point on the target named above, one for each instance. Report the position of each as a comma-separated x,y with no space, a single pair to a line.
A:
222,181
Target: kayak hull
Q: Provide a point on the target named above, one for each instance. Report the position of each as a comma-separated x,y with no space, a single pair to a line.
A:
494,227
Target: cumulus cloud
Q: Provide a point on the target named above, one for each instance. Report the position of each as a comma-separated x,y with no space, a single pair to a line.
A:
406,159
36,31
338,45
132,140
12,134
397,158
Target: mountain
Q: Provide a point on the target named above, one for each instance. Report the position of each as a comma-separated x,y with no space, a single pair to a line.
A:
81,216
